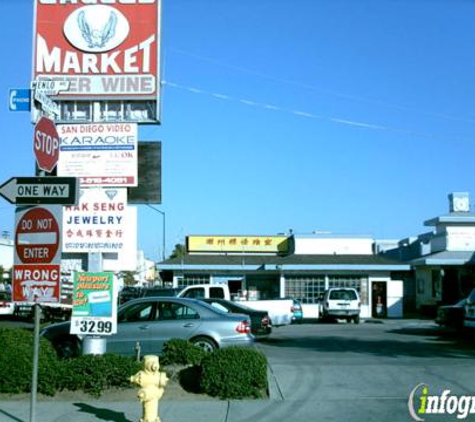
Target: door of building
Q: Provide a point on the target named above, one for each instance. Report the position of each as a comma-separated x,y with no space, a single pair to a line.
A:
379,300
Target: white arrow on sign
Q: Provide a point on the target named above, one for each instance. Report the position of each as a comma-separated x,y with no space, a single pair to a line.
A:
41,190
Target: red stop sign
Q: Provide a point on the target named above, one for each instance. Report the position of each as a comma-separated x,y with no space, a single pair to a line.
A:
46,144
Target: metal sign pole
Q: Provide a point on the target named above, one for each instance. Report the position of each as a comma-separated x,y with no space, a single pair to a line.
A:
36,349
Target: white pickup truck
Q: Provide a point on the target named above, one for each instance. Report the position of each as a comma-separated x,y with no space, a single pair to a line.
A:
279,310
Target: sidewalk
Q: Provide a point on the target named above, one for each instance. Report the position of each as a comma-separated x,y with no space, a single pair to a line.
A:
301,407
198,410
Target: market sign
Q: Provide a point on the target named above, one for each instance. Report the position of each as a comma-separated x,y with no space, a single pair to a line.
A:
101,222
99,154
258,244
94,304
103,51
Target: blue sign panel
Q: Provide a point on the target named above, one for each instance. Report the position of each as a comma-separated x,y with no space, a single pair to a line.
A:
19,100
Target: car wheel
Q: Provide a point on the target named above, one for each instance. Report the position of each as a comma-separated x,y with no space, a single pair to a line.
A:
356,319
67,348
205,343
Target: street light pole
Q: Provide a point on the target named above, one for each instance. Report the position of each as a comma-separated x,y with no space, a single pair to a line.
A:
163,228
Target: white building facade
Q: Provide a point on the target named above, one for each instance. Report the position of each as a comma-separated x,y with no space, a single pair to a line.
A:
296,266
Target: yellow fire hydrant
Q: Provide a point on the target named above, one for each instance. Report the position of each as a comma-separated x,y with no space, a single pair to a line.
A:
152,384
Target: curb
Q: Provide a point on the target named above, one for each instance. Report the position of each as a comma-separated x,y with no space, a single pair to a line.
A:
275,393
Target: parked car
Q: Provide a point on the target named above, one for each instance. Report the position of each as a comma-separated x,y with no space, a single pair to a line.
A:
129,293
260,322
341,302
7,307
280,310
159,291
469,311
297,317
24,310
152,321
451,316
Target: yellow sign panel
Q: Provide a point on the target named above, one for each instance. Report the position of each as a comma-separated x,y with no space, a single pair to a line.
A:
269,244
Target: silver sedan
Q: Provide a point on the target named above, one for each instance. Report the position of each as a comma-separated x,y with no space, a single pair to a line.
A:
151,321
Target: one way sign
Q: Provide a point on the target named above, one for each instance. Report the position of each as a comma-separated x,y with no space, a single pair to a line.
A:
41,190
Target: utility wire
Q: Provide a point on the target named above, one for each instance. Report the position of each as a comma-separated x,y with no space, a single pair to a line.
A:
305,114
322,90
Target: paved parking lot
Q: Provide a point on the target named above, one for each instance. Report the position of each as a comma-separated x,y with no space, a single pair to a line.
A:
330,372
366,371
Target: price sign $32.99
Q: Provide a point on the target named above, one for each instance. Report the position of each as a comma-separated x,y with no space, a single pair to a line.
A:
90,326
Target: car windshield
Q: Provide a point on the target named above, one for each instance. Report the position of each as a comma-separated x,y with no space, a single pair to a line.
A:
343,295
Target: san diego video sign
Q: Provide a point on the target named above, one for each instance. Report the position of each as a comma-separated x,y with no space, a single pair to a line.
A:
105,50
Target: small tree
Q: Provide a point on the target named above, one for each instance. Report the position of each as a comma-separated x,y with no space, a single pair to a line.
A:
129,278
179,251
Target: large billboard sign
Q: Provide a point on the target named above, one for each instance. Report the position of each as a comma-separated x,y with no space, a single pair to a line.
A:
99,154
105,50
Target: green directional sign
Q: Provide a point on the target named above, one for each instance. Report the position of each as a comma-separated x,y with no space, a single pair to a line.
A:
41,190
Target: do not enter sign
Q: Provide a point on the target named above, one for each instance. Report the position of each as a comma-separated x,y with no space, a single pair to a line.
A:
46,144
37,236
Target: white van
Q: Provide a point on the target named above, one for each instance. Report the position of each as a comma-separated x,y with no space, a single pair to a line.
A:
341,302
469,308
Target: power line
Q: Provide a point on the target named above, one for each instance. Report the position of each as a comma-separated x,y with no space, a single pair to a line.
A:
300,113
323,90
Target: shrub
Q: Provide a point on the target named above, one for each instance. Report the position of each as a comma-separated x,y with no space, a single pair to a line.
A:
234,373
16,363
181,352
95,373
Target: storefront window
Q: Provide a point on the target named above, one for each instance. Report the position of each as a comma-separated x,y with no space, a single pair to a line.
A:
191,280
360,283
262,288
305,289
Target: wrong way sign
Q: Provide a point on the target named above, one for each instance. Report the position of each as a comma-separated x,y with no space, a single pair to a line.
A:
38,235
36,283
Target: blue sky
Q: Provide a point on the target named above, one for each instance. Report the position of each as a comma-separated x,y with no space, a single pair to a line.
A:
353,117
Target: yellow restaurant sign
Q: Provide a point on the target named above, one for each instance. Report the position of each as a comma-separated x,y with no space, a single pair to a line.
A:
269,244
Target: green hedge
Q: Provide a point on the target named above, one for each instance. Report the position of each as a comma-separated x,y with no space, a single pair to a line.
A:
181,352
91,374
16,363
227,373
95,373
234,373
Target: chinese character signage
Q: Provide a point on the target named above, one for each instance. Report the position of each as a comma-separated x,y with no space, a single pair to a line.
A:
94,304
101,222
258,244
